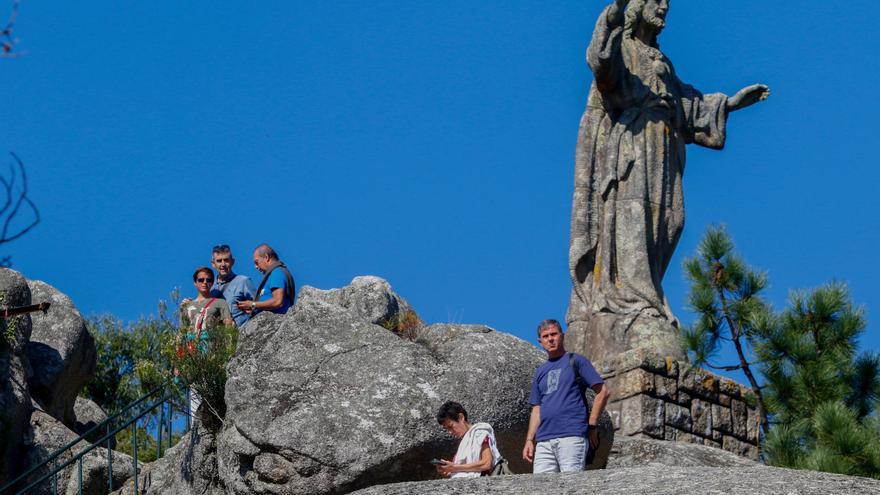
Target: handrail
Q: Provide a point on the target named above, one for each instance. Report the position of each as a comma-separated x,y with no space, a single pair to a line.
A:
80,438
106,425
103,439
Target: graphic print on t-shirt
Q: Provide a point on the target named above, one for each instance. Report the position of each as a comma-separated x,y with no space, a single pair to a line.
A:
552,381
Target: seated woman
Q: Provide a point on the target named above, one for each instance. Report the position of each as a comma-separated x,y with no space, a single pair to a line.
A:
477,453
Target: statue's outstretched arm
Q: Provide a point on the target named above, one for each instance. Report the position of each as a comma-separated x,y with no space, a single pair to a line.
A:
603,54
748,96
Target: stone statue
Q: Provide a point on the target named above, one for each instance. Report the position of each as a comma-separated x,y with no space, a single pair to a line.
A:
628,209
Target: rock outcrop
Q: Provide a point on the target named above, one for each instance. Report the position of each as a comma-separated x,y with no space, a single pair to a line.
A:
654,478
45,360
634,452
61,352
323,400
188,467
15,400
88,415
367,297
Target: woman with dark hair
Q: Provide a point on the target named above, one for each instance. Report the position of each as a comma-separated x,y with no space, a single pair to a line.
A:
204,311
196,317
477,453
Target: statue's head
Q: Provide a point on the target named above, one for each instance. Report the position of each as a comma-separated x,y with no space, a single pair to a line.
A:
650,12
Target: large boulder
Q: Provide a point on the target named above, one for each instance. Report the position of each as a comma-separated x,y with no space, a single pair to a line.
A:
88,416
188,467
46,435
655,478
15,400
367,297
323,399
61,353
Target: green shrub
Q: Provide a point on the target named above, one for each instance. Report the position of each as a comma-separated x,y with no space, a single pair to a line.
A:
202,367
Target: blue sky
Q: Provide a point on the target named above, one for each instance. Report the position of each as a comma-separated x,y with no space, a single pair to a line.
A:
430,143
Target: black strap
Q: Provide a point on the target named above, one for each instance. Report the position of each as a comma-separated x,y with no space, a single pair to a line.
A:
287,274
577,376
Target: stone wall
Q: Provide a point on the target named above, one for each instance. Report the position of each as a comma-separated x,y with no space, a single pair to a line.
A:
662,398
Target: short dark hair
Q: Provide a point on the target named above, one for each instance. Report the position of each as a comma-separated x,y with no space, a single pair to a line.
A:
202,269
221,249
548,323
450,410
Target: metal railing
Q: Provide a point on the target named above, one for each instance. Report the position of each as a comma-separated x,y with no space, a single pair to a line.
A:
129,416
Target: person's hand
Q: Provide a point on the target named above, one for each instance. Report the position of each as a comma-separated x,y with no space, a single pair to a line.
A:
445,467
246,306
594,437
185,300
748,96
528,453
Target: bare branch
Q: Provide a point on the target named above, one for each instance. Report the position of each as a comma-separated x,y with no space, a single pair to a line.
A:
16,198
7,40
8,186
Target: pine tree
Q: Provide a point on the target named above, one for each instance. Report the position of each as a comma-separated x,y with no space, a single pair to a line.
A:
823,396
725,293
820,399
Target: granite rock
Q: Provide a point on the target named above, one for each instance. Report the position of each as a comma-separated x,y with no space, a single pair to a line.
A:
15,400
653,479
635,452
88,415
187,468
324,400
61,352
367,297
47,434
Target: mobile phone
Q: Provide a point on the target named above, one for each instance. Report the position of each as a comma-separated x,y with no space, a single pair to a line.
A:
436,462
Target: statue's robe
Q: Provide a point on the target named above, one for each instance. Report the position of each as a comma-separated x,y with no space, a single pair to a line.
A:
628,209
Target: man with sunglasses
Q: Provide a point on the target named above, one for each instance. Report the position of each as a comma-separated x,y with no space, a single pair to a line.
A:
229,285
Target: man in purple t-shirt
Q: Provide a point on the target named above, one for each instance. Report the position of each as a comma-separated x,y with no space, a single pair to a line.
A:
558,425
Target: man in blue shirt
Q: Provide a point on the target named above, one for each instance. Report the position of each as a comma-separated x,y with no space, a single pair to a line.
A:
277,290
230,286
558,425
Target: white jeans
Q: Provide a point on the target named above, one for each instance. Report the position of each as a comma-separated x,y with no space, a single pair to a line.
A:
195,400
564,454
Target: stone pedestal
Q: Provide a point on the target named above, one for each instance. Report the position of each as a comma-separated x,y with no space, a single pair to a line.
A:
605,336
668,399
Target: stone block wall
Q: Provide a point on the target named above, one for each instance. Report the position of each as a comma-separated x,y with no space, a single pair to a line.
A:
666,399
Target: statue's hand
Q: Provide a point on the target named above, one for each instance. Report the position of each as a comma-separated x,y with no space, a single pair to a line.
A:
748,96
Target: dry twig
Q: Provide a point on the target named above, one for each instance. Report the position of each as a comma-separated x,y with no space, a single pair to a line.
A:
7,40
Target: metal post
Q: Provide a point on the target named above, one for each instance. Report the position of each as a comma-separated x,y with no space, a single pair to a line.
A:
109,459
170,419
188,411
134,440
159,425
80,469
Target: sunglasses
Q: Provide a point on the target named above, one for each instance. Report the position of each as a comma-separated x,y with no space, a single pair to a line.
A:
203,280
